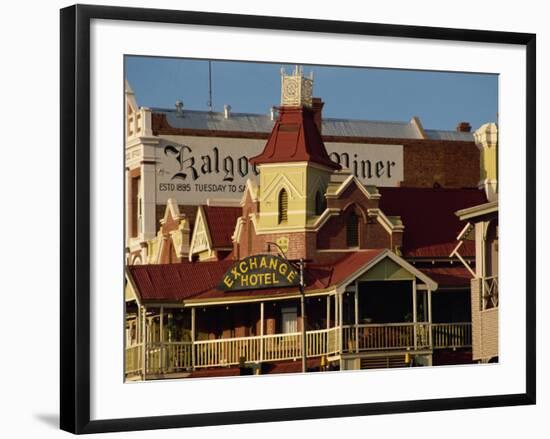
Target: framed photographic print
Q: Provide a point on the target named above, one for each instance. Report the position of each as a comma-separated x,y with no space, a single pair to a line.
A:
300,217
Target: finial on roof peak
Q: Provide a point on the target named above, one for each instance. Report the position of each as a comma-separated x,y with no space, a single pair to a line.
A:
296,89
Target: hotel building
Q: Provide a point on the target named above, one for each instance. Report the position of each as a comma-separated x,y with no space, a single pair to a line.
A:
367,207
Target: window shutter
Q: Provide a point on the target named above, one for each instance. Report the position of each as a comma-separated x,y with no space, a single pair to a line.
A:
283,206
352,230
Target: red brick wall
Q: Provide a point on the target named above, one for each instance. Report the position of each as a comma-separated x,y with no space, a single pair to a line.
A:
332,234
168,254
371,233
450,164
301,244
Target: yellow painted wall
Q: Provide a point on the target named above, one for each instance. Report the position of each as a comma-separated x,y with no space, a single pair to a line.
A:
300,180
488,163
317,179
129,293
153,248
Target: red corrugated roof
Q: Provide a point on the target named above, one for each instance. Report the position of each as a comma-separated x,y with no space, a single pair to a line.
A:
457,276
431,226
200,280
221,224
176,282
295,138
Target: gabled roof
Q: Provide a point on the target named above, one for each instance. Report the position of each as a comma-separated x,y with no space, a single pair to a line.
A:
172,210
199,281
431,226
221,221
295,138
213,229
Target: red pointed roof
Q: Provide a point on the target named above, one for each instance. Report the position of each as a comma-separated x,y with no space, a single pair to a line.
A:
295,138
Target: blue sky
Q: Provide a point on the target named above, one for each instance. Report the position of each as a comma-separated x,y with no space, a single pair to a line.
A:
440,99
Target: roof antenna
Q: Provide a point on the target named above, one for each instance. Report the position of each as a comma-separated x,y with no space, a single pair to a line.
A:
210,86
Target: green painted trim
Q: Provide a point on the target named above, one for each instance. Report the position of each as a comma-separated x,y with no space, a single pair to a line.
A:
387,269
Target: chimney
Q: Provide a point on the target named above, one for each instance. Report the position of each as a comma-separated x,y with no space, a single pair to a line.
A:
464,127
317,106
179,108
226,111
273,113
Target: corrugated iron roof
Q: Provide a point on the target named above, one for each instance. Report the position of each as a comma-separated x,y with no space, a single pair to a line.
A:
204,120
457,276
176,282
449,135
295,138
431,226
221,222
262,123
369,128
200,280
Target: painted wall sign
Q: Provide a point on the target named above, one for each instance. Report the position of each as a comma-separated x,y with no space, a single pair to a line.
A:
259,272
192,169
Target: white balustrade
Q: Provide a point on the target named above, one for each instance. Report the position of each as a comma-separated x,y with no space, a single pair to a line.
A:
171,357
451,335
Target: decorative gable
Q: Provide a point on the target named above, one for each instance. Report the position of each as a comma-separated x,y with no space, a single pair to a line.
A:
201,242
172,241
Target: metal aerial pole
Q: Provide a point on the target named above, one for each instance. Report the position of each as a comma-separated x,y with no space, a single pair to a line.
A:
210,86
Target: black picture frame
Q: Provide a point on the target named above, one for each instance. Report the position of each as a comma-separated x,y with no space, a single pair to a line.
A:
75,217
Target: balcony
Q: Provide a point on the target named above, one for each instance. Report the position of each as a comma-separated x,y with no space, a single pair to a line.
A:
163,358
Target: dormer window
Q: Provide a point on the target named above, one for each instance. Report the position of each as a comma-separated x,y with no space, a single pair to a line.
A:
320,203
283,206
352,230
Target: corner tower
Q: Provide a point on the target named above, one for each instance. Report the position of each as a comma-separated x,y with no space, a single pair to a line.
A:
486,138
294,167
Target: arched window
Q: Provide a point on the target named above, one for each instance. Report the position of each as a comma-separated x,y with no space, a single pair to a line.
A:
320,203
352,230
283,206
